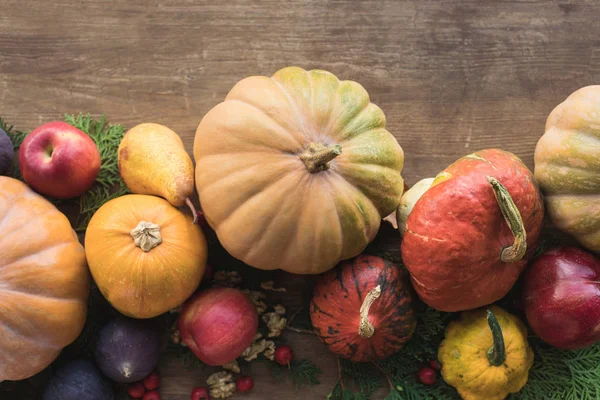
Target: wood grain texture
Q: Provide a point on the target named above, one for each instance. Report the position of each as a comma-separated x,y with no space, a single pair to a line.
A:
452,77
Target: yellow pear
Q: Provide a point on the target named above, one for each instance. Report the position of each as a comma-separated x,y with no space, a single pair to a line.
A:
153,160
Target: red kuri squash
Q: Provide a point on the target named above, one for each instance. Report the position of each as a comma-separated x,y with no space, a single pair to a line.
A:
467,237
364,309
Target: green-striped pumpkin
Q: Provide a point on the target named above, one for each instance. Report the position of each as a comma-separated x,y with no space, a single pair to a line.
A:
567,166
297,170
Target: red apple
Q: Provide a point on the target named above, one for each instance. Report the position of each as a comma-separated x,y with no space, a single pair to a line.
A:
561,294
59,160
218,324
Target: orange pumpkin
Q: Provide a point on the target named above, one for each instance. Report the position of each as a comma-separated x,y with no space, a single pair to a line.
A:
44,282
297,170
144,254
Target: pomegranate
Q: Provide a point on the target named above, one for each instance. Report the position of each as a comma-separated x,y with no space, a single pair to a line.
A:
561,294
218,324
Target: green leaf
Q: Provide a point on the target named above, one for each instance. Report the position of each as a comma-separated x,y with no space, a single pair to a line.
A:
109,184
304,372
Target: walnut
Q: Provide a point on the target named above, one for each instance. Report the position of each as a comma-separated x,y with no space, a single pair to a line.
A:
275,322
257,299
232,366
221,385
176,337
227,279
264,346
279,309
270,285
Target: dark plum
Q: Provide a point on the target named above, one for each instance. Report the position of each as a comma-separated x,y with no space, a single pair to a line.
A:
78,380
128,349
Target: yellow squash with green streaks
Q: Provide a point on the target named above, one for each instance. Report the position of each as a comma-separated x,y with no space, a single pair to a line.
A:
485,354
567,166
296,171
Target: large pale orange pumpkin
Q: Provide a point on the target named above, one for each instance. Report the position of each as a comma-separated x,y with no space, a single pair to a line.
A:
144,254
44,282
567,166
297,170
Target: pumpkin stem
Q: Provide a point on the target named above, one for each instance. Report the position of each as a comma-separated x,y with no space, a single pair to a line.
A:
188,202
366,328
146,235
316,156
512,216
497,353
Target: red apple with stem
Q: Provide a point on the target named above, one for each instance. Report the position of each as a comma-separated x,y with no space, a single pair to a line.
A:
561,295
218,324
59,160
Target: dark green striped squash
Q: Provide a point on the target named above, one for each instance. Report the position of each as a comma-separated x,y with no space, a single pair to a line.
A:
364,309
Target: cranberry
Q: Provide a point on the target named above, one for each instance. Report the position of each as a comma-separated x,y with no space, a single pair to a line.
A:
200,393
435,364
244,384
427,375
136,390
151,395
202,221
283,355
152,381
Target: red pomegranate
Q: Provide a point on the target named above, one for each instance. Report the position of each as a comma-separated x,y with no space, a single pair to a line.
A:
561,294
363,310
218,324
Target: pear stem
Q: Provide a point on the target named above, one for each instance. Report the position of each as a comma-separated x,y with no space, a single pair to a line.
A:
188,202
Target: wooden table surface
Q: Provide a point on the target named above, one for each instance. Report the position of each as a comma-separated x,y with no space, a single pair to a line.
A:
452,77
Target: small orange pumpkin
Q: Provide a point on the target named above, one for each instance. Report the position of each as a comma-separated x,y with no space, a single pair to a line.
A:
144,254
44,282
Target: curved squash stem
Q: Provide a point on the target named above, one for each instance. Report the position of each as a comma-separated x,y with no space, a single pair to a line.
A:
497,353
512,216
365,327
316,156
188,202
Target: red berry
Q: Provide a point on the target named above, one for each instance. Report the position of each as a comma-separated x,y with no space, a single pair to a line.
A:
427,375
152,381
435,364
200,393
283,355
202,221
244,384
151,395
136,390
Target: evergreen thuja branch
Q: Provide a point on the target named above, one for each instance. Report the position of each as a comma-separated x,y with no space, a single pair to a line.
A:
304,372
16,137
109,184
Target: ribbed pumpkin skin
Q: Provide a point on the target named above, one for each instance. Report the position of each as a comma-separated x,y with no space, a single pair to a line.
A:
567,166
456,232
267,209
336,303
144,284
44,282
